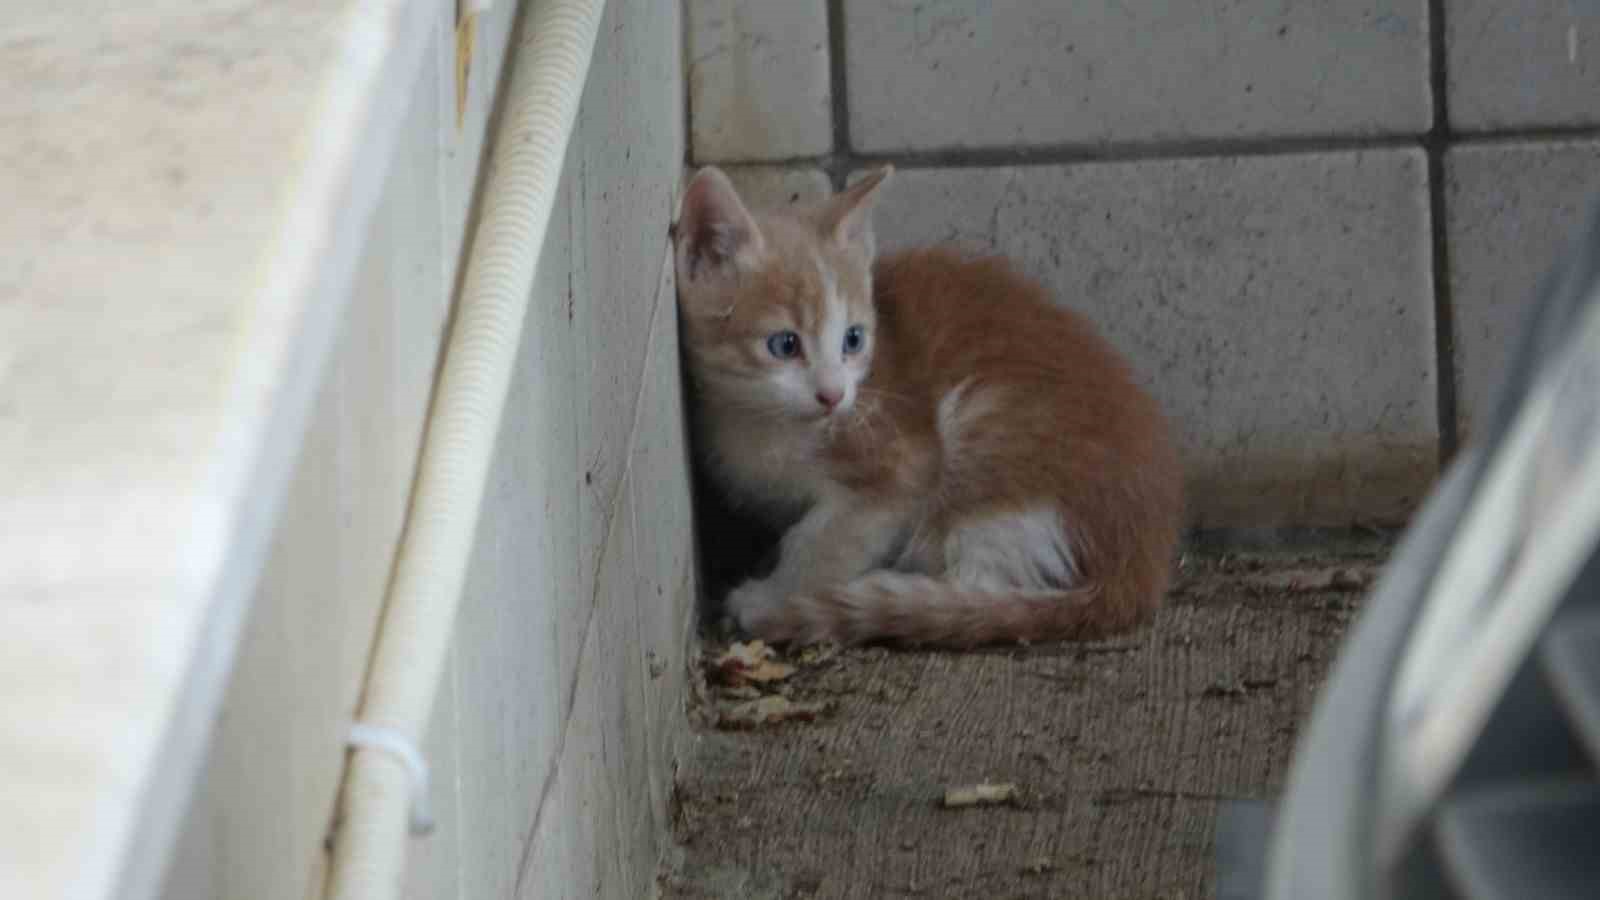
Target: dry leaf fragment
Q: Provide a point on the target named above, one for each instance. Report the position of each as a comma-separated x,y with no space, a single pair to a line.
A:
979,795
1311,580
767,711
769,672
746,654
750,662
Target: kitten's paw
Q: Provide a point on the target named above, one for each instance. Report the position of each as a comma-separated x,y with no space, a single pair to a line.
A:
752,604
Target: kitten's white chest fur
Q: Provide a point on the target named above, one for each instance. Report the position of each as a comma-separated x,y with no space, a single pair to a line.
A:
771,464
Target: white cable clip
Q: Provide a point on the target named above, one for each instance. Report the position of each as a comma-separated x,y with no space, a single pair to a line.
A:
480,6
401,747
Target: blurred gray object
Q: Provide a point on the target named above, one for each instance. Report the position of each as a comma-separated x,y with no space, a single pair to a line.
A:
1455,751
1242,829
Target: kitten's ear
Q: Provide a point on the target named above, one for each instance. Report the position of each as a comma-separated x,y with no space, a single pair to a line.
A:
714,229
847,218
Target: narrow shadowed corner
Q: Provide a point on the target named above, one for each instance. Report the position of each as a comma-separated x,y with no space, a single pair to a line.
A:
728,546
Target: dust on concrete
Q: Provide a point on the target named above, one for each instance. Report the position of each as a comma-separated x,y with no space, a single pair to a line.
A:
1120,751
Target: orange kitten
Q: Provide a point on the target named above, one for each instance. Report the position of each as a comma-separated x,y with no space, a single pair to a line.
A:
958,460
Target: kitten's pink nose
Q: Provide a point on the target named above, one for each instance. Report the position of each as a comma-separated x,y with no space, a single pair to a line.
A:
830,398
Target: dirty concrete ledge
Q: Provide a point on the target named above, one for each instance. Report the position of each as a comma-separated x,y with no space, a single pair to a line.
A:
1120,751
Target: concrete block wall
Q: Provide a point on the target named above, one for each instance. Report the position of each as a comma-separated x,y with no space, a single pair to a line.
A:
560,718
1313,227
564,707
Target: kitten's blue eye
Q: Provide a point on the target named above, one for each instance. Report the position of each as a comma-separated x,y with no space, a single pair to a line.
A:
784,344
855,337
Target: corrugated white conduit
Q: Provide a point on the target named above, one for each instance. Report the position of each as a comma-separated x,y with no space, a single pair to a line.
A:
550,63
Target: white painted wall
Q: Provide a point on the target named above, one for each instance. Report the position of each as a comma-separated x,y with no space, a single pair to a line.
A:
555,736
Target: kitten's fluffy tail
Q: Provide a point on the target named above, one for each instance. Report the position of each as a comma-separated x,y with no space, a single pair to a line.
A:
917,609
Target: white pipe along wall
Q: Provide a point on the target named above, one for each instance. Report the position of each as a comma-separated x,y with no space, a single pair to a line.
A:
551,62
